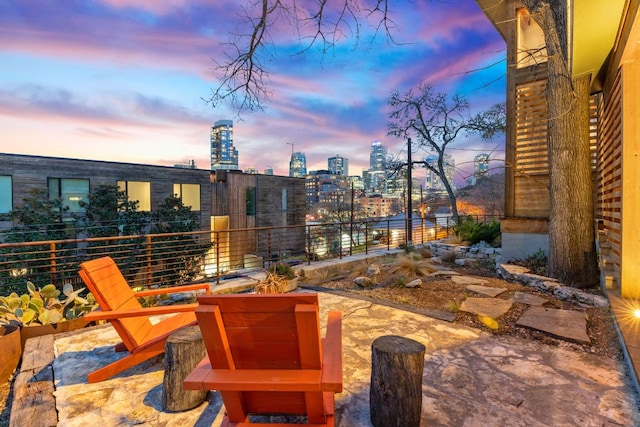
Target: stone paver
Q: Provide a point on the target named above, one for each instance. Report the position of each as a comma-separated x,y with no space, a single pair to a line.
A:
569,324
443,273
486,290
529,299
492,307
468,280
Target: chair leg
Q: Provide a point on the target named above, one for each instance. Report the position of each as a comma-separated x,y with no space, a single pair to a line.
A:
125,363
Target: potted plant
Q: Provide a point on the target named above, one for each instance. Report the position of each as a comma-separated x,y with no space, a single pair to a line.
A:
280,278
46,310
11,351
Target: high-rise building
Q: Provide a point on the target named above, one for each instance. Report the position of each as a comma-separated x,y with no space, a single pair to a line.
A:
224,155
268,170
480,167
298,165
251,170
378,156
432,180
338,165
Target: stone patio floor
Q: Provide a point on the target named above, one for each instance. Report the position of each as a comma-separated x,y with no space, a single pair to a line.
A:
470,378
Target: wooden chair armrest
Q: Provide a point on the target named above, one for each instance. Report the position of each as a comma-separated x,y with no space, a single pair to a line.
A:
194,380
332,353
174,290
150,311
253,379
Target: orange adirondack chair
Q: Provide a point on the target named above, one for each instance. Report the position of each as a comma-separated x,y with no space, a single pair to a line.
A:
119,305
266,357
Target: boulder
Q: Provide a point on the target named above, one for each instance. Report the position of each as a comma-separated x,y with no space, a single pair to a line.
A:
414,284
373,270
363,281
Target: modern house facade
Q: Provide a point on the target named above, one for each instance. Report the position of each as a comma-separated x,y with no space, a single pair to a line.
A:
603,43
224,200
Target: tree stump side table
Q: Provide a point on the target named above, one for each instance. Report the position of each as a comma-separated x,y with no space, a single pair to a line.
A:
397,364
183,351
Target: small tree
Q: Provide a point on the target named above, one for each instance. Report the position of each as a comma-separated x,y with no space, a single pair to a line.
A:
109,213
38,218
437,122
180,256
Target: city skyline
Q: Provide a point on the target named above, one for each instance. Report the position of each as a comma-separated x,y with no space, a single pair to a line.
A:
124,80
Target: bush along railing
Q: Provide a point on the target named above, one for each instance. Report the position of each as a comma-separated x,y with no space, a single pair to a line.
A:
198,256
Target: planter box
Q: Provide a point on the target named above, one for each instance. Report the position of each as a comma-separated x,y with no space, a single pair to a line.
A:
11,351
55,328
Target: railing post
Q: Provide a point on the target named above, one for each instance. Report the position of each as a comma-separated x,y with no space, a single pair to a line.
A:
148,250
351,237
366,238
388,235
52,261
268,247
309,255
340,239
217,243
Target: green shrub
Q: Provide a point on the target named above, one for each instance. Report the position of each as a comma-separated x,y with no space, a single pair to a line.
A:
283,270
537,263
472,231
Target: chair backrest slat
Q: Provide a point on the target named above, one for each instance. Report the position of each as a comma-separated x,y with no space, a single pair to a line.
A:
263,332
112,292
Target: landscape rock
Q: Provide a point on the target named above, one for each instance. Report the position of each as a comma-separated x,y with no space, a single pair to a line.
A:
414,284
373,270
525,298
491,307
467,280
508,271
363,281
443,273
569,324
486,290
567,293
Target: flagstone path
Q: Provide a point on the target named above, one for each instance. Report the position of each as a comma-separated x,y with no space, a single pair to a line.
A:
568,324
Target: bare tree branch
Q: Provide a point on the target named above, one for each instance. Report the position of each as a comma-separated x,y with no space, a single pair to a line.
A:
244,76
437,122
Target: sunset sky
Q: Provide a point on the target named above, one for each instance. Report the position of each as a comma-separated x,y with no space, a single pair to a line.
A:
125,80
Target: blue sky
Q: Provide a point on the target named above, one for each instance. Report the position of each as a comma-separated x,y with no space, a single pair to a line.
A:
124,80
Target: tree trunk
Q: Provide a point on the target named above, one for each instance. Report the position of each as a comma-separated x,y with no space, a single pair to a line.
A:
183,351
395,395
572,256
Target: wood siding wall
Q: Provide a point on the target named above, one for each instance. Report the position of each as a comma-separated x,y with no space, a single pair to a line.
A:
609,188
230,199
29,172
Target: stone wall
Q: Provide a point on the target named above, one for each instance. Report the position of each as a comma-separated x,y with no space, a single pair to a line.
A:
466,254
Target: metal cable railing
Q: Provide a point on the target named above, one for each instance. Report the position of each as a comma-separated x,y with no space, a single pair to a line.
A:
179,258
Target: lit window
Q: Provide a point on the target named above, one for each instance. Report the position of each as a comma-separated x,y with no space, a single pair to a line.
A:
137,191
6,194
531,44
189,194
70,191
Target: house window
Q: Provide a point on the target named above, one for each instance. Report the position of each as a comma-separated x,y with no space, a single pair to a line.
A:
530,43
137,191
284,200
251,201
70,191
189,194
6,194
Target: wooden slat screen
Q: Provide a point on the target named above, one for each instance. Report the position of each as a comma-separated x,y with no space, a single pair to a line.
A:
531,129
609,184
